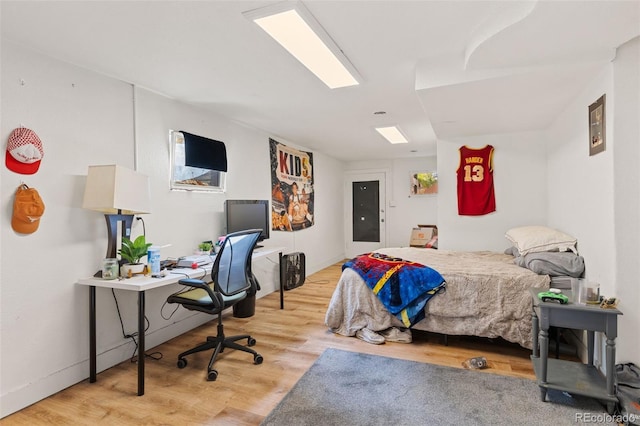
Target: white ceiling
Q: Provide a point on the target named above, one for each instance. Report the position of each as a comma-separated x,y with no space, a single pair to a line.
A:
438,68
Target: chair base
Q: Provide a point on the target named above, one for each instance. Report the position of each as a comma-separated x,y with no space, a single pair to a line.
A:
219,343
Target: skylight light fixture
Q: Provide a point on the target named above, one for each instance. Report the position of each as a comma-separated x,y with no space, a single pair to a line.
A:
392,134
293,26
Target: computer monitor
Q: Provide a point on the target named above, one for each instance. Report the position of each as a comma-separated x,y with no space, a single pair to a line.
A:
248,214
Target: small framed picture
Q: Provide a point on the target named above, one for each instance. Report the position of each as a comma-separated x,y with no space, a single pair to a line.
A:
597,131
424,183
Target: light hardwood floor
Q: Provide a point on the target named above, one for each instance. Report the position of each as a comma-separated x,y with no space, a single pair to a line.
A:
290,340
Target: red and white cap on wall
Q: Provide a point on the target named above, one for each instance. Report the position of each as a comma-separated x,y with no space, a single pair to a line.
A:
24,151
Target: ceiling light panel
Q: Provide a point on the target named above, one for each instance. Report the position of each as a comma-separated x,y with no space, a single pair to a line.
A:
392,134
295,29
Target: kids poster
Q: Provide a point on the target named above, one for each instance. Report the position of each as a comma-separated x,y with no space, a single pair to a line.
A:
291,188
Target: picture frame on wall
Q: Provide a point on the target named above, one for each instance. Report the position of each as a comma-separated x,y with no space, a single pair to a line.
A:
597,130
424,183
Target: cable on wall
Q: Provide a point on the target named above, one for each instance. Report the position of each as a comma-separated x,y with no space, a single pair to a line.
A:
144,230
134,99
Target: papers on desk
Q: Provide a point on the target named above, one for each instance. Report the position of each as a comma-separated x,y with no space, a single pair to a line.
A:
195,261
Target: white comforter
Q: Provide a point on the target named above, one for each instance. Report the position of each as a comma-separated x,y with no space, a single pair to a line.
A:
486,295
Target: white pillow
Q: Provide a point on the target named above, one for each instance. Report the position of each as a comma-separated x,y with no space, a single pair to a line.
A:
531,239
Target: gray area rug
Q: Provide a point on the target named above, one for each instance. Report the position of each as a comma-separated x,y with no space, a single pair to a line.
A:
349,388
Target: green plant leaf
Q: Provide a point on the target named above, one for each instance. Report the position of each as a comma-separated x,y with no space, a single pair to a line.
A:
133,251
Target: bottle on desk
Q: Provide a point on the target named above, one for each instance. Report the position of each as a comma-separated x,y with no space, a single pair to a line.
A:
153,256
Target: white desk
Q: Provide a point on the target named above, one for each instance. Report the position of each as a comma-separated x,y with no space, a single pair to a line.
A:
141,284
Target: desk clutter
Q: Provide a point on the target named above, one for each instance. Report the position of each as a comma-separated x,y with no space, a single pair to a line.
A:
206,254
168,264
133,251
111,269
195,261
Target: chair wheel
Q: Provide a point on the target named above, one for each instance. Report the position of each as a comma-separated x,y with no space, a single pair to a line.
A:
251,341
257,359
182,363
212,375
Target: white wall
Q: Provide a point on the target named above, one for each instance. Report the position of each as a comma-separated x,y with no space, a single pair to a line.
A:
403,210
596,198
520,180
84,118
580,187
249,178
626,179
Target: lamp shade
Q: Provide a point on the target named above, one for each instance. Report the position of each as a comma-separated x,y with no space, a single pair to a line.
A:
114,189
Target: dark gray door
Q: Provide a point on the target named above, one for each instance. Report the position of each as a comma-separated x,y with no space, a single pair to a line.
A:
364,203
366,211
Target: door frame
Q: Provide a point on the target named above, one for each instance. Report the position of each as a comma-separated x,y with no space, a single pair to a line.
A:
351,176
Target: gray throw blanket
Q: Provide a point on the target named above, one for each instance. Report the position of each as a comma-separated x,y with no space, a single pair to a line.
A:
554,264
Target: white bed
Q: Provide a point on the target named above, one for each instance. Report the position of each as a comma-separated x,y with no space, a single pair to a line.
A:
486,295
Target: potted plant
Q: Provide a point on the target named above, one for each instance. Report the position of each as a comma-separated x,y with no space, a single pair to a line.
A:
205,247
132,252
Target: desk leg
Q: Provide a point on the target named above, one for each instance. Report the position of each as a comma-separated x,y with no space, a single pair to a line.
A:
141,343
281,281
92,334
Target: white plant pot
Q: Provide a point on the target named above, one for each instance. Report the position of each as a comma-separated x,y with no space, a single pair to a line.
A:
128,269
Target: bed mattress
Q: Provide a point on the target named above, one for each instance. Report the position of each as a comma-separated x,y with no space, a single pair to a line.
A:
486,295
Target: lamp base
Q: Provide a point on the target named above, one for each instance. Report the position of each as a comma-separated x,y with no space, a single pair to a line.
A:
112,231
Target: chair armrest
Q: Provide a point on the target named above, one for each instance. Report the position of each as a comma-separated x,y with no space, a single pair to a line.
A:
193,282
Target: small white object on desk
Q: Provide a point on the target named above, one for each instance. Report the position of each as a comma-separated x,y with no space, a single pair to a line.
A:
195,261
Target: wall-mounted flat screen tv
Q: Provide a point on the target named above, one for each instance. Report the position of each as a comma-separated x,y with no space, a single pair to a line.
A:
248,214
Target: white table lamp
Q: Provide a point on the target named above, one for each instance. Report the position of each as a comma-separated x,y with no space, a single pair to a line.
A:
119,193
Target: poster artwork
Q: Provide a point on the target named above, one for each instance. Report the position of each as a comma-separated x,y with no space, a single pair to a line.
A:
291,188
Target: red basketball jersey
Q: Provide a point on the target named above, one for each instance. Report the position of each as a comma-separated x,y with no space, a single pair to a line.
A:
475,181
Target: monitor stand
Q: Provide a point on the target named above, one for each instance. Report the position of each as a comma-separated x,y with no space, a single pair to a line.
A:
258,246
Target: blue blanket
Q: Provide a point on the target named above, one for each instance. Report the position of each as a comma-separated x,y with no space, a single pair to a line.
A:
403,287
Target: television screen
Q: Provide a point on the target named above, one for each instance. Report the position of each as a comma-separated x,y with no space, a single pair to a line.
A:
247,214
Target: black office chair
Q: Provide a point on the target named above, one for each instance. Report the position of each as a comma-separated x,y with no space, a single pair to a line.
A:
231,281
